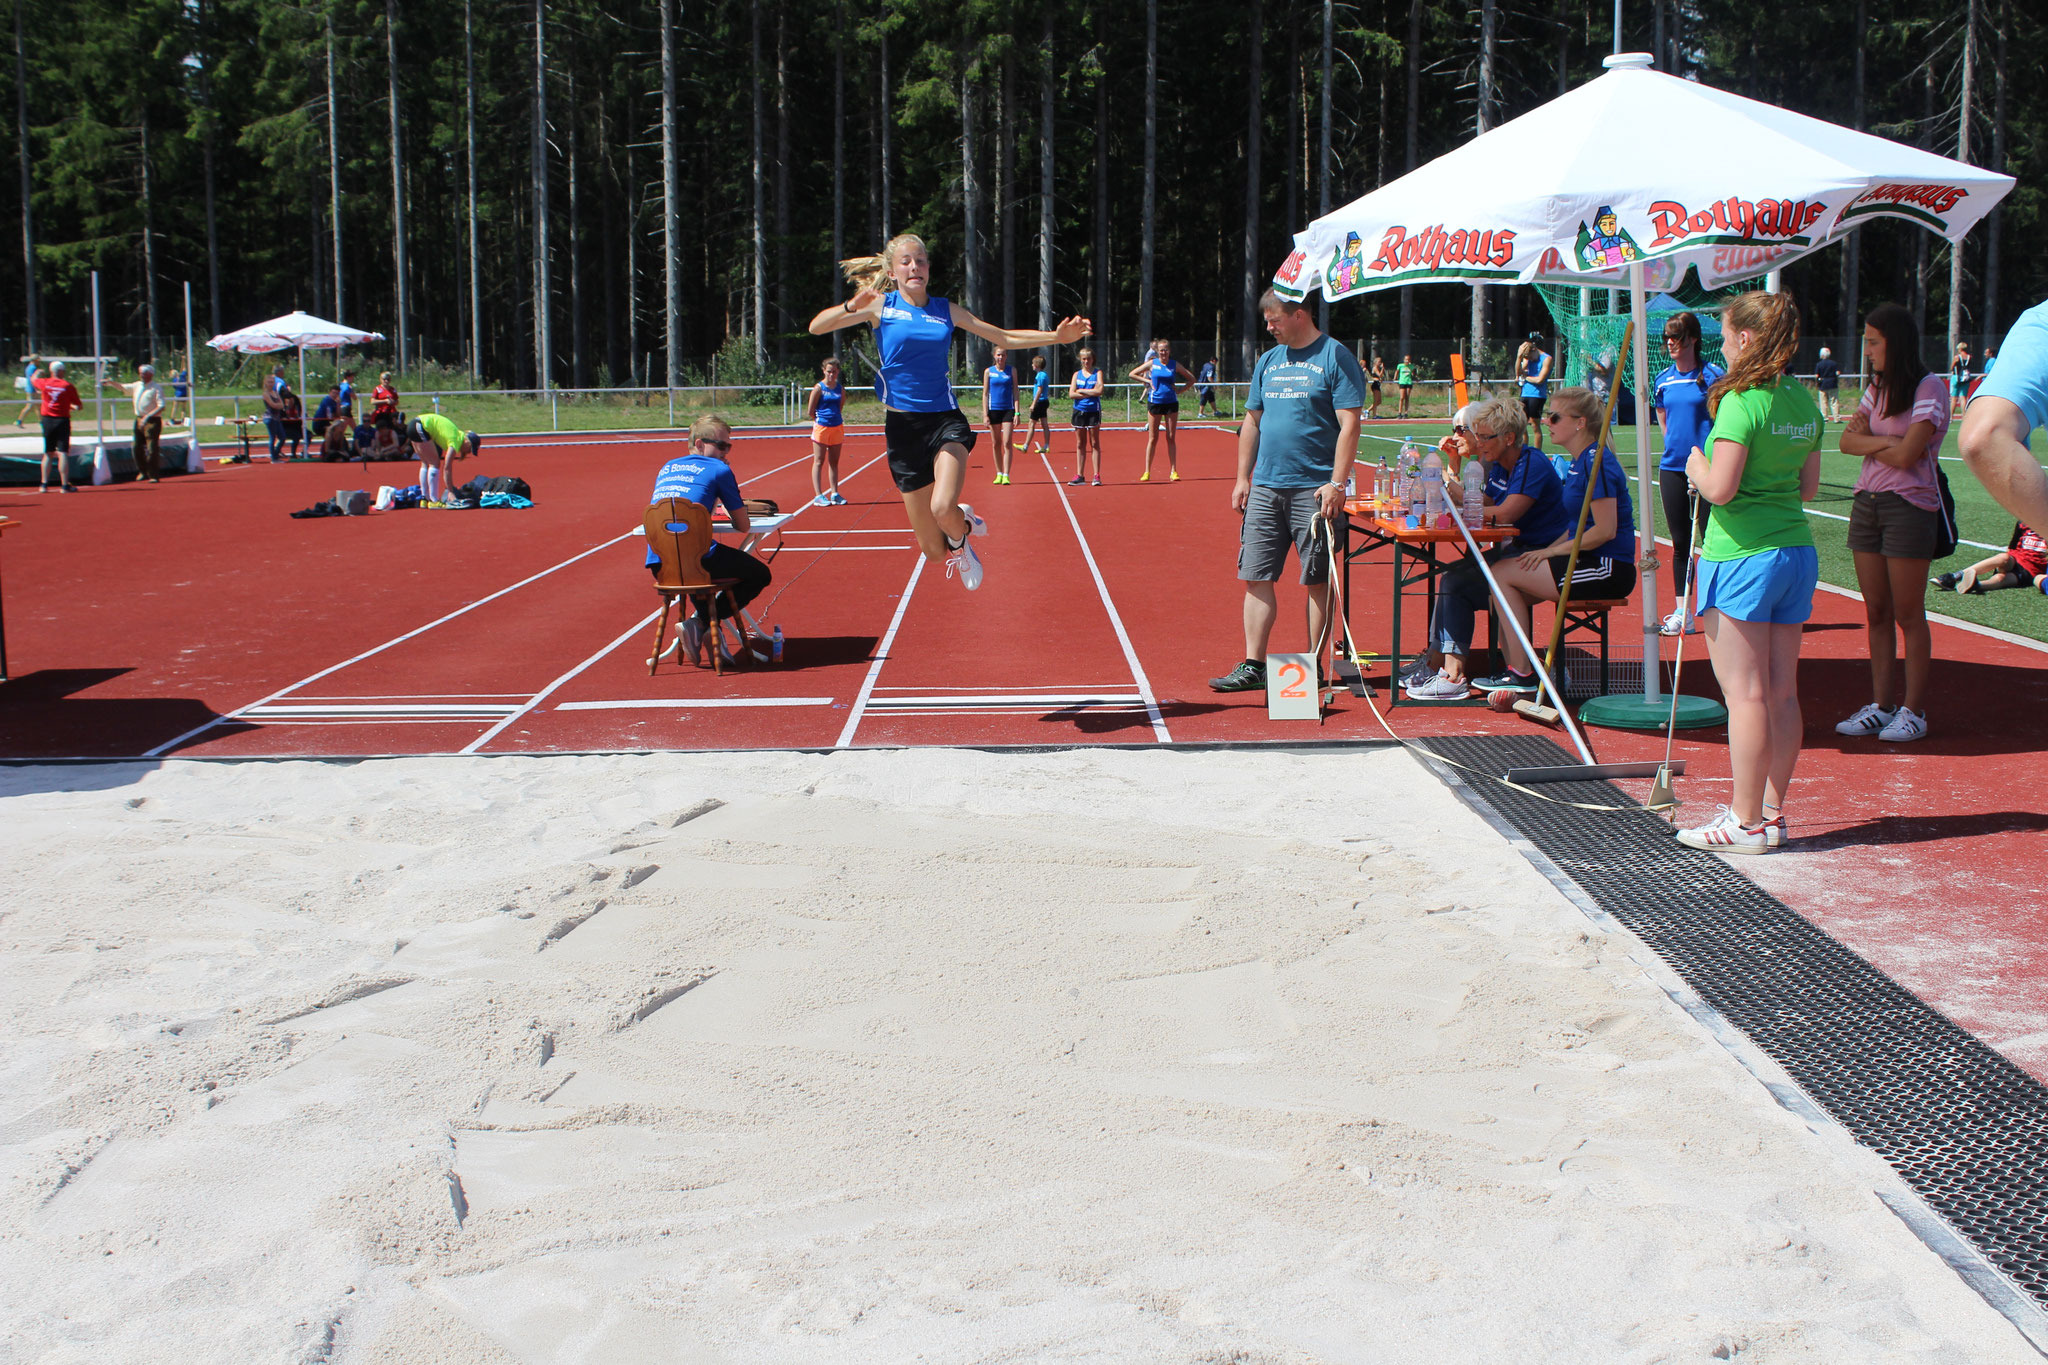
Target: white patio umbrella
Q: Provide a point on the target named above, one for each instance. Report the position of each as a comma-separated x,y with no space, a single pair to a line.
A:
295,329
1585,190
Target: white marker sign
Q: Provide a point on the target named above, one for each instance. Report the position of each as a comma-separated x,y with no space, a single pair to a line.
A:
1291,687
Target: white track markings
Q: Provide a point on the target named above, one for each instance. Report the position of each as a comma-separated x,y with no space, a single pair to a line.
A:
487,736
867,686
1116,621
691,703
242,711
591,662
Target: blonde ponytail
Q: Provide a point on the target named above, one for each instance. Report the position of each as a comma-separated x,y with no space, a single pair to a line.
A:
874,272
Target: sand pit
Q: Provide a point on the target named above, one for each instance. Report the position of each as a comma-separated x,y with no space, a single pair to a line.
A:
1108,1056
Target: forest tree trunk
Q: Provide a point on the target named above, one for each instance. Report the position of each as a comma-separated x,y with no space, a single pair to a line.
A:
1248,323
1045,177
671,213
334,159
403,297
760,201
543,337
1146,240
1991,229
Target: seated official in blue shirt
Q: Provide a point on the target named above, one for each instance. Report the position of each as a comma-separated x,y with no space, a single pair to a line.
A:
705,477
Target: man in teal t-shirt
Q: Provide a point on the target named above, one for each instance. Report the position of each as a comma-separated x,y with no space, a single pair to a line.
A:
1294,452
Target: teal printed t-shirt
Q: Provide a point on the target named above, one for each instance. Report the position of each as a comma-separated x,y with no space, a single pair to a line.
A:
1297,394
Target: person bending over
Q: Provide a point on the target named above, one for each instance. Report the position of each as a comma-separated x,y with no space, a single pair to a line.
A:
1294,451
438,443
1522,491
705,477
2023,563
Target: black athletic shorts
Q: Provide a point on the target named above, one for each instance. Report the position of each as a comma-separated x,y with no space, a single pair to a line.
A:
1086,419
1161,409
915,439
1595,579
1040,408
56,435
1532,408
996,415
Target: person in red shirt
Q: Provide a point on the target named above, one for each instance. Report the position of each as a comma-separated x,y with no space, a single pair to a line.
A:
59,401
2023,563
384,402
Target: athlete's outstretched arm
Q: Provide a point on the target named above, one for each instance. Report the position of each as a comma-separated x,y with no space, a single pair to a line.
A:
1066,334
866,306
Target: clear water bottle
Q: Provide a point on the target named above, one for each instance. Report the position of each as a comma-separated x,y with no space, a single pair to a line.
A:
775,645
1475,490
1383,485
1432,476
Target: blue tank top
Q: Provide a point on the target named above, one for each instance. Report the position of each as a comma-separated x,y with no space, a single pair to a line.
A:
1041,387
916,345
1087,379
1161,374
1532,367
1002,387
828,405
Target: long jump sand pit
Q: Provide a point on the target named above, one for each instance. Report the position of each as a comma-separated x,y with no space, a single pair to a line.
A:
945,1056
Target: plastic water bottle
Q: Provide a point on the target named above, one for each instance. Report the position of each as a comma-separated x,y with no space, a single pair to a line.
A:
1383,486
1432,476
1475,490
775,646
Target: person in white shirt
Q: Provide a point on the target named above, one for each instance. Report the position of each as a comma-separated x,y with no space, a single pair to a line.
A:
148,398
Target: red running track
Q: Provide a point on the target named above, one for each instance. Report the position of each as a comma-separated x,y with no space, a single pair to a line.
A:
196,619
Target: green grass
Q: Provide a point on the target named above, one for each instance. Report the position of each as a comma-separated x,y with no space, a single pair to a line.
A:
1977,516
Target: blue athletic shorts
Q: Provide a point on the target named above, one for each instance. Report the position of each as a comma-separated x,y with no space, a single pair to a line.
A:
1771,585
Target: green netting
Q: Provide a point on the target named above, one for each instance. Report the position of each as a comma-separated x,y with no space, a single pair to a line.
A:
1589,335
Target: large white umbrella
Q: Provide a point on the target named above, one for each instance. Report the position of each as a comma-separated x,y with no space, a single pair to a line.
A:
1628,180
298,329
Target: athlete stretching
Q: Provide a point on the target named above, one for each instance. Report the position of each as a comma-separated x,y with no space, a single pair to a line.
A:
928,438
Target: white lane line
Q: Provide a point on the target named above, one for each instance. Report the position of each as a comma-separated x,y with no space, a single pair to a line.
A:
514,697
691,703
867,686
375,709
241,711
487,736
1837,516
1020,692
1116,621
1050,701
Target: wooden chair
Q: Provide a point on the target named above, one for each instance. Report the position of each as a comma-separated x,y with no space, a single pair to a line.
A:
679,533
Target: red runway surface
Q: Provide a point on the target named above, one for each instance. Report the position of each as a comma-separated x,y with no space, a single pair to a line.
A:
196,619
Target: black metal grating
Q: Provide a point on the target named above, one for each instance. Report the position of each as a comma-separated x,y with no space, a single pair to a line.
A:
1965,1128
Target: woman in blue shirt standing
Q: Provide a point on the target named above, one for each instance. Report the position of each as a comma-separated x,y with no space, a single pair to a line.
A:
999,408
1683,418
827,411
1164,378
928,438
1532,367
1085,389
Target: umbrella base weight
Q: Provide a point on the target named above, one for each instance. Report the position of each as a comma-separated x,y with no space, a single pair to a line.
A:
1636,713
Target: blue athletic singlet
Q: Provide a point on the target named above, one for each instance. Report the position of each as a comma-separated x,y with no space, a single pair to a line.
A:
829,401
1161,375
1041,387
1087,379
1002,387
916,345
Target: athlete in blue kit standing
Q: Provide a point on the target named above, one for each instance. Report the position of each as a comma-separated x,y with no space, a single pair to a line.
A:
1164,378
928,438
999,408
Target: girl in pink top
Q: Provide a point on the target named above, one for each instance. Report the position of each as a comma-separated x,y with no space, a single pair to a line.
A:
1896,521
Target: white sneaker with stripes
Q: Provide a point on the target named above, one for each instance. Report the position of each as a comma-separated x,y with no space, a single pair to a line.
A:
1867,721
967,563
1904,725
1725,834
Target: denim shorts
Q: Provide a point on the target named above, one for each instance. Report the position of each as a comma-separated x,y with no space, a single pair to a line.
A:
1770,585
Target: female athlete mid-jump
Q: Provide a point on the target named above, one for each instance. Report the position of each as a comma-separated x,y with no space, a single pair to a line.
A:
927,435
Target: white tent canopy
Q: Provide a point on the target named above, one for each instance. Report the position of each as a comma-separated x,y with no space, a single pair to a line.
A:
1757,188
1586,190
298,329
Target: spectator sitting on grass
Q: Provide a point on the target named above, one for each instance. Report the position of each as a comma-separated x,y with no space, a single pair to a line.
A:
2023,563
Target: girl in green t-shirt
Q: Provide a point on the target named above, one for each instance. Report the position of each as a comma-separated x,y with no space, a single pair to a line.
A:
1758,565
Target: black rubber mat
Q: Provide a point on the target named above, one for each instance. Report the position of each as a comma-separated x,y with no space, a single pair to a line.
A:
1964,1127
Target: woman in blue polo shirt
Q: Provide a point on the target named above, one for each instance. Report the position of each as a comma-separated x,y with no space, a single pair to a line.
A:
1607,553
1683,418
928,438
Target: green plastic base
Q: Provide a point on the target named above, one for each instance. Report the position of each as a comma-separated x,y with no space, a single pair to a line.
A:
1634,713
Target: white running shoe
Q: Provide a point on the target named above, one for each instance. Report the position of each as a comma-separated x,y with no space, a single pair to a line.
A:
1725,834
1439,688
1904,725
1871,719
1418,673
693,639
822,500
1679,622
968,563
975,525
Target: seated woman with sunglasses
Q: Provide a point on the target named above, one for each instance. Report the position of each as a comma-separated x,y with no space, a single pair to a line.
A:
1522,491
1607,553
